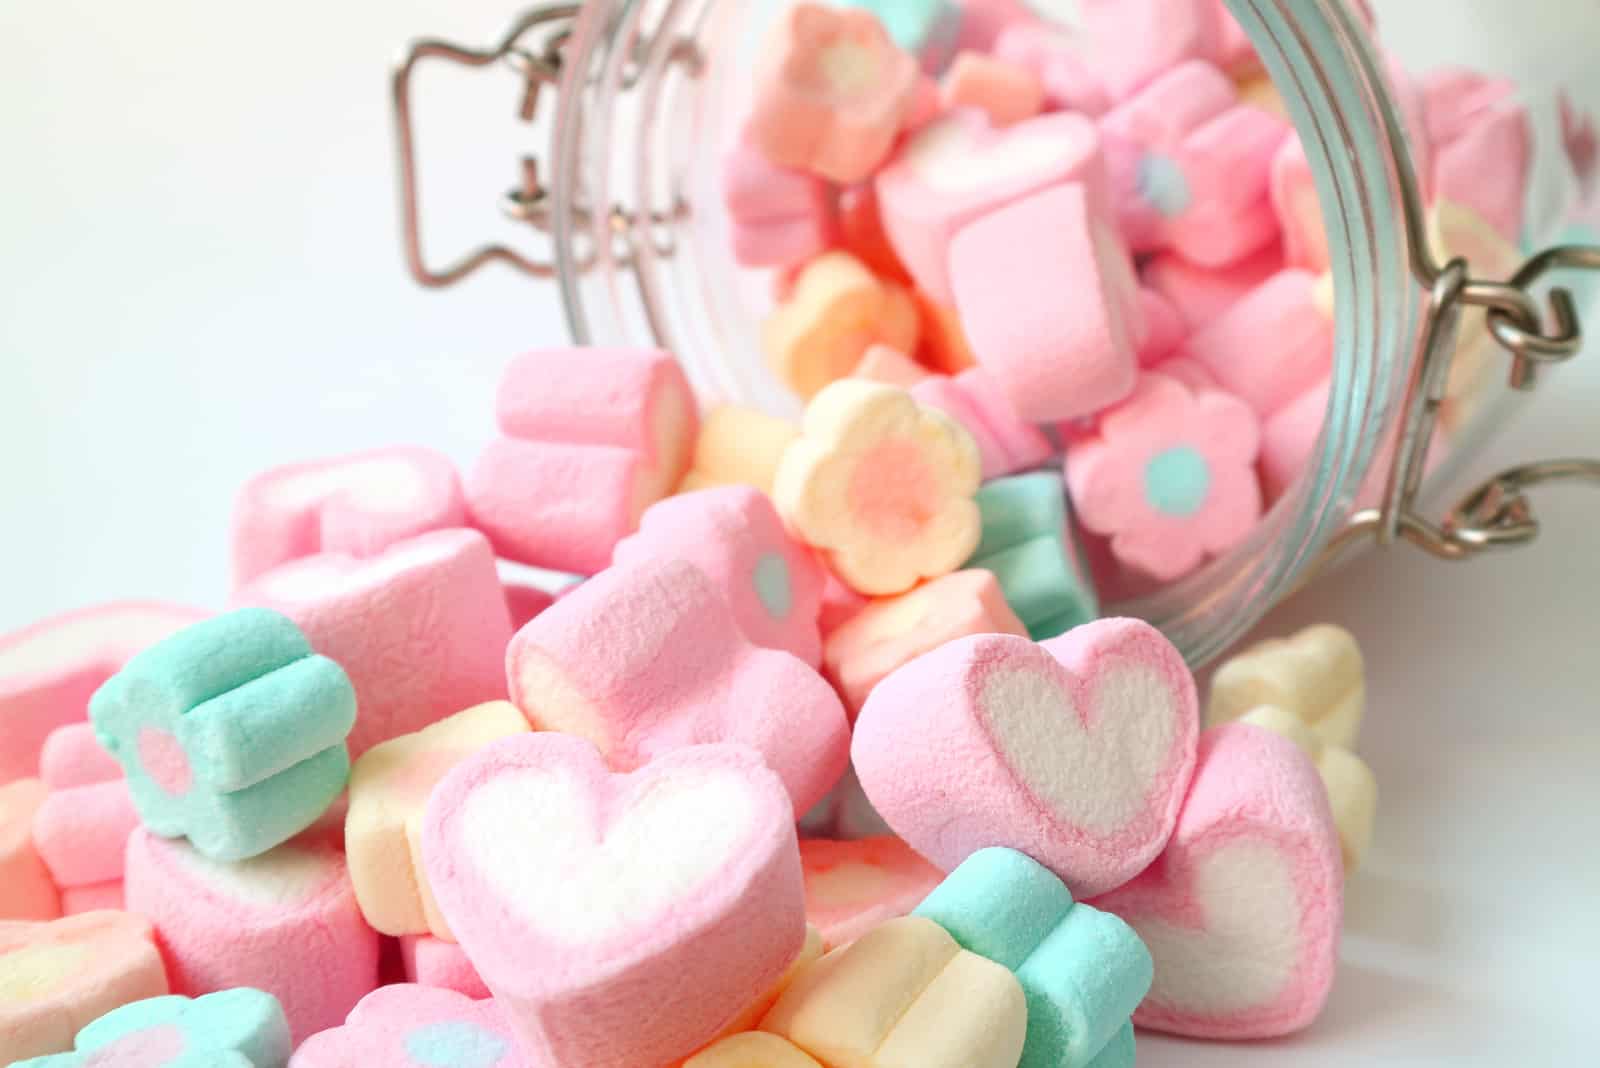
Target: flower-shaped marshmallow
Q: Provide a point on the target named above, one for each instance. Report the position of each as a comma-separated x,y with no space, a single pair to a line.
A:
837,93
231,732
882,486
239,1028
408,1026
1169,476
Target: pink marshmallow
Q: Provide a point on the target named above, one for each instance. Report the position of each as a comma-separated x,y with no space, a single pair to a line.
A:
1299,209
285,922
673,894
959,168
1006,92
1271,346
80,832
852,887
1482,140
1202,294
1242,910
49,670
1289,438
359,504
420,629
73,756
735,537
1235,53
98,897
1076,751
407,1026
1164,327
779,216
1132,42
431,961
524,602
839,605
647,658
1190,372
26,890
984,22
1006,443
1054,362
592,437
1056,58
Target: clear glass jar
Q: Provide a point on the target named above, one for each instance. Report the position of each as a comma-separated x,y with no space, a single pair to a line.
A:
652,93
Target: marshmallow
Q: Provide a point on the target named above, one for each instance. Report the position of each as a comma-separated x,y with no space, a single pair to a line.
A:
674,890
524,601
1202,294
1299,208
736,538
977,401
1318,676
882,487
231,732
597,665
239,1028
1272,346
57,977
408,1026
1169,476
49,670
95,898
852,887
430,961
591,438
1084,971
389,785
1131,42
959,168
1164,327
928,29
738,446
1057,59
1352,787
904,994
1482,142
753,1012
836,312
73,756
945,346
420,628
80,832
359,504
1076,751
26,890
285,922
891,367
1053,365
1235,53
1241,912
779,216
893,631
1289,437
861,233
983,22
1456,230
1006,92
1029,547
752,1049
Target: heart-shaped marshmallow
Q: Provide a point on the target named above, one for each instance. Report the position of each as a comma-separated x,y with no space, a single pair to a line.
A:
1241,912
1076,751
674,891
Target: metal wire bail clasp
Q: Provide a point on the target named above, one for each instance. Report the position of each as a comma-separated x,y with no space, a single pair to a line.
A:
532,47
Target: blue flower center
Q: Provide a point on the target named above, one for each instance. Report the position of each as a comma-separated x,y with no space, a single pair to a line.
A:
456,1045
1177,482
1163,186
771,578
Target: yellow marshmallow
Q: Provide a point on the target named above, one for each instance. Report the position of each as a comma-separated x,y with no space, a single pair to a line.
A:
891,367
1352,788
1318,675
738,447
752,1049
837,310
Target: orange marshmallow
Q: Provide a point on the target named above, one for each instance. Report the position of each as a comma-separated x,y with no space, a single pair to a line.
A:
837,310
1007,92
738,447
891,367
852,887
26,890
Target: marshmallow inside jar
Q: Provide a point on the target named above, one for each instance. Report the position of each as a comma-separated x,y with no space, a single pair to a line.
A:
1173,238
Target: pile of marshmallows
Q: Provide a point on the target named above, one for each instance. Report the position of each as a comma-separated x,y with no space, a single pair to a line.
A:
1105,242
827,760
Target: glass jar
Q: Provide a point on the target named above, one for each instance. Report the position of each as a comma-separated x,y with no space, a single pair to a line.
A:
652,92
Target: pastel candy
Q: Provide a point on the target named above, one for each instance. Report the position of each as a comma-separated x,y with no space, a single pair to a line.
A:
959,168
1202,294
1318,675
1475,375
837,310
674,890
984,21
647,658
1134,41
779,216
98,897
928,29
407,1026
861,232
419,628
893,631
1029,547
80,832
430,961
1299,209
752,1049
389,786
738,446
1120,1052
285,922
904,994
1075,751
1271,346
1289,437
1057,58
1006,92
73,756
1482,141
1241,912
231,732
852,887
358,504
1352,788
945,347
735,537
1053,363
1083,971
976,400
882,487
1165,328
524,601
890,367
754,1011
610,429
833,92
26,890
240,1028
49,670
57,977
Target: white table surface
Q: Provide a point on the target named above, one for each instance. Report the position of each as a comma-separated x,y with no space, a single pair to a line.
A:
199,278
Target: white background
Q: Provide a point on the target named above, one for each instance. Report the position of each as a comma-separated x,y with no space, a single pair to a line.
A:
199,277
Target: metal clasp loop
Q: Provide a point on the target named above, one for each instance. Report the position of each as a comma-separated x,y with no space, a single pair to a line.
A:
532,47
